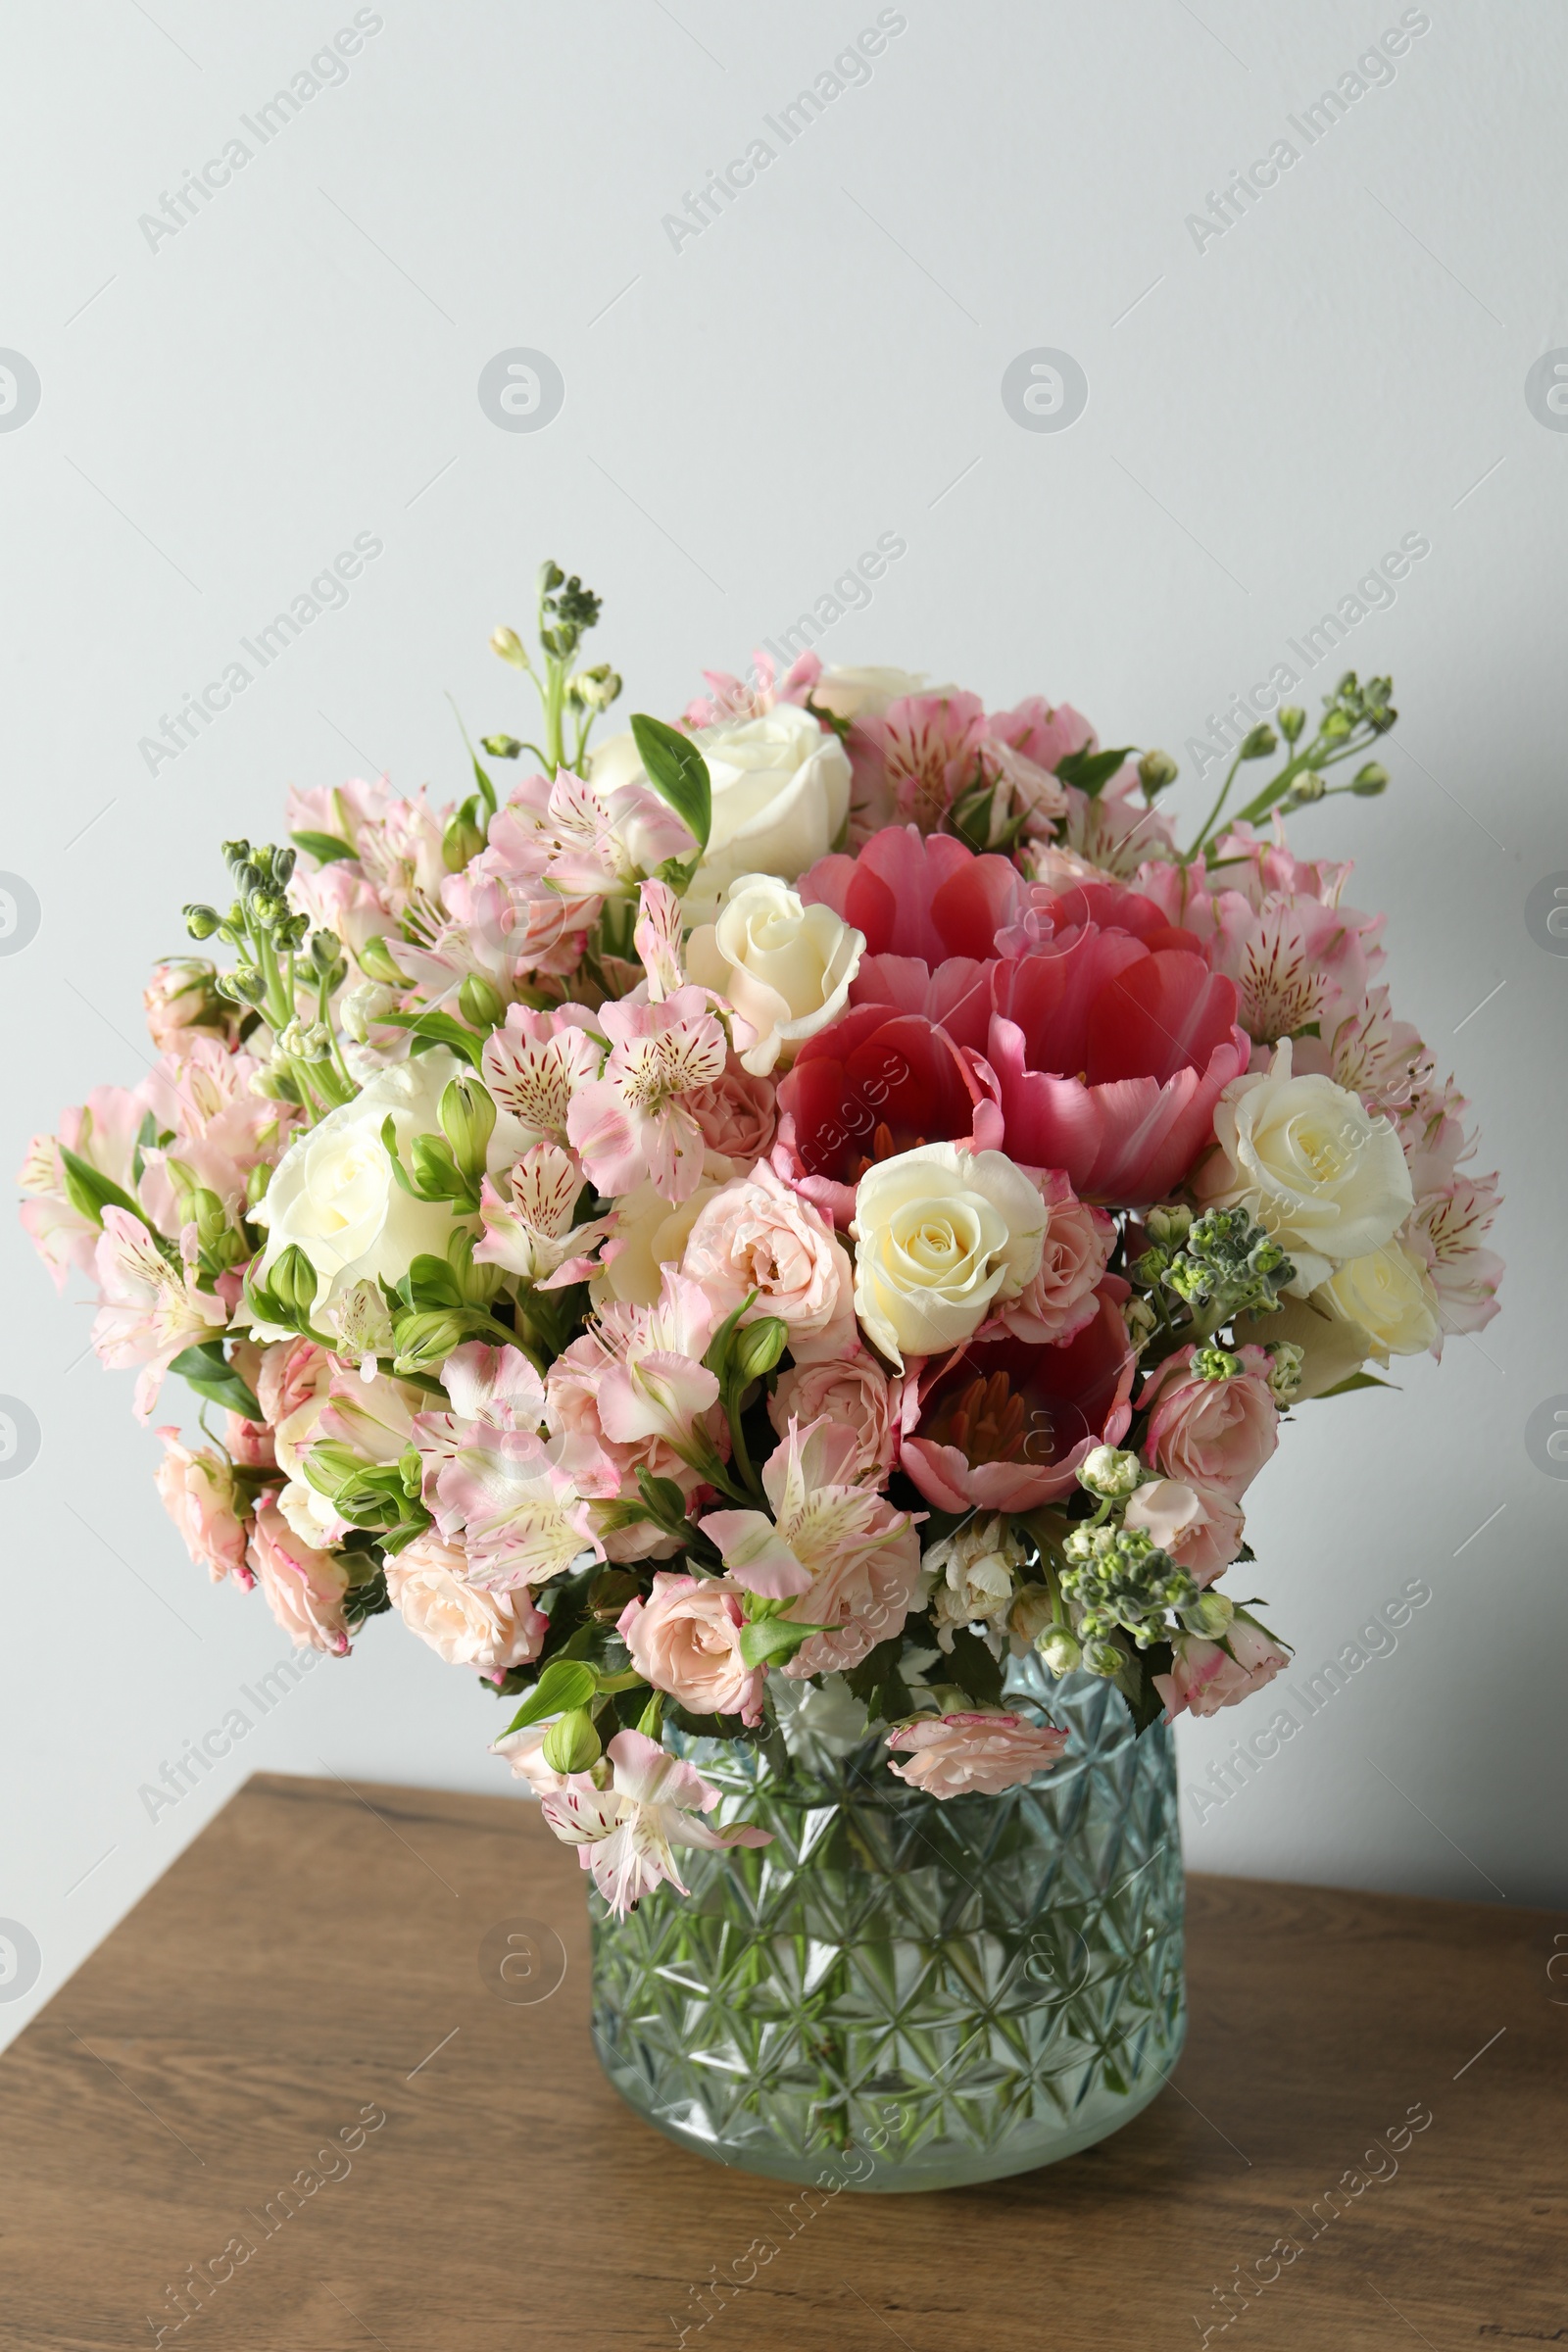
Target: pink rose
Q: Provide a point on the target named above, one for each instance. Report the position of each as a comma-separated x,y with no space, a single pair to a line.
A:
1201,1528
1204,1677
758,1235
292,1373
736,1115
854,1394
179,998
1078,1242
250,1443
1211,1434
685,1640
201,1496
426,1584
973,1756
305,1588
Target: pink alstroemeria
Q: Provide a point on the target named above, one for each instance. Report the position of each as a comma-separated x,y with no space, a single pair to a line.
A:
529,1228
635,1387
150,1313
103,1132
840,1551
656,935
536,1063
734,698
626,1832
928,747
520,1505
633,1124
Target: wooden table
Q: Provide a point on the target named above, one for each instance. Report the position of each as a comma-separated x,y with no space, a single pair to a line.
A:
313,1996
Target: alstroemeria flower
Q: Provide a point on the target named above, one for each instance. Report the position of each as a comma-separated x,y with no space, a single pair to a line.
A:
851,1561
150,1313
626,1832
631,1122
636,1386
531,1233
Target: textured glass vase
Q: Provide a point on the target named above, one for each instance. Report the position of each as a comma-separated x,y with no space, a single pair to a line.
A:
901,1994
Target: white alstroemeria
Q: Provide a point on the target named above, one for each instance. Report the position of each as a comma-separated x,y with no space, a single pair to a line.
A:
625,1831
529,1224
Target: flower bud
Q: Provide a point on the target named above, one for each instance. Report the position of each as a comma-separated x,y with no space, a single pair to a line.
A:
207,1210
480,1003
362,1007
510,646
256,1184
468,1115
1110,1472
236,853
1169,1227
571,1744
759,1347
293,1283
1337,725
1292,719
500,747
424,1341
461,840
1210,1614
1216,1363
1139,1318
1156,770
1062,1651
1286,1359
1369,781
1308,787
1102,1657
201,921
1259,743
283,860
375,960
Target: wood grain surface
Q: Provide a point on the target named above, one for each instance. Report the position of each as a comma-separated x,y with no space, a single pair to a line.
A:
325,1956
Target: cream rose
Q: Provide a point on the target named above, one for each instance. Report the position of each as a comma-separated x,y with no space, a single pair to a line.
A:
781,798
1390,1295
489,1631
786,967
853,694
941,1233
333,1194
650,1236
1310,1162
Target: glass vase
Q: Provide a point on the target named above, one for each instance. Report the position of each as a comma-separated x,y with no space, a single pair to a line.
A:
901,1992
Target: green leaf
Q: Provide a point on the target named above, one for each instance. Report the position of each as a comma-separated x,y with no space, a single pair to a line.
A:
1092,771
768,1641
1343,1387
565,1684
211,1375
326,848
974,1669
875,1668
438,1029
677,772
90,1192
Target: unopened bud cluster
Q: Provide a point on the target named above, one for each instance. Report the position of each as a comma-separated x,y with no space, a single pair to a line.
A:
1120,1577
1226,1264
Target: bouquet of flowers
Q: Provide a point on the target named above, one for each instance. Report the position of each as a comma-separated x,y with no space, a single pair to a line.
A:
768,1215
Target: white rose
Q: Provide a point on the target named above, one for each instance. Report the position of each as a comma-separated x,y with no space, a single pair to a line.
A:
333,1194
785,966
1392,1296
940,1234
866,693
650,1236
1305,1156
781,799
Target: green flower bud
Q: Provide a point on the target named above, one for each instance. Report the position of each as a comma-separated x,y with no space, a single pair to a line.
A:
1308,787
1261,742
326,949
468,1115
293,1283
1292,719
376,961
500,747
461,840
1102,1657
283,860
571,1744
480,1003
424,1341
236,853
511,648
1063,1652
1169,1226
759,1347
1369,781
1285,1370
208,1213
1337,725
201,921
256,1184
1210,1614
1216,1363
1156,771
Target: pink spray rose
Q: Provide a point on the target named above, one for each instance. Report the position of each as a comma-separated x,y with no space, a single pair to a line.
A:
200,1496
973,1756
854,1394
1214,1434
305,1588
291,1373
736,1115
1076,1247
685,1640
1204,1677
758,1235
1199,1527
427,1586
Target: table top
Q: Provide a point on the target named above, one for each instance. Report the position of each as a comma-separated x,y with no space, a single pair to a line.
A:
297,2074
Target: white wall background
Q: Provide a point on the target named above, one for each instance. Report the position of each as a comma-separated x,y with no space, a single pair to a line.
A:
220,415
